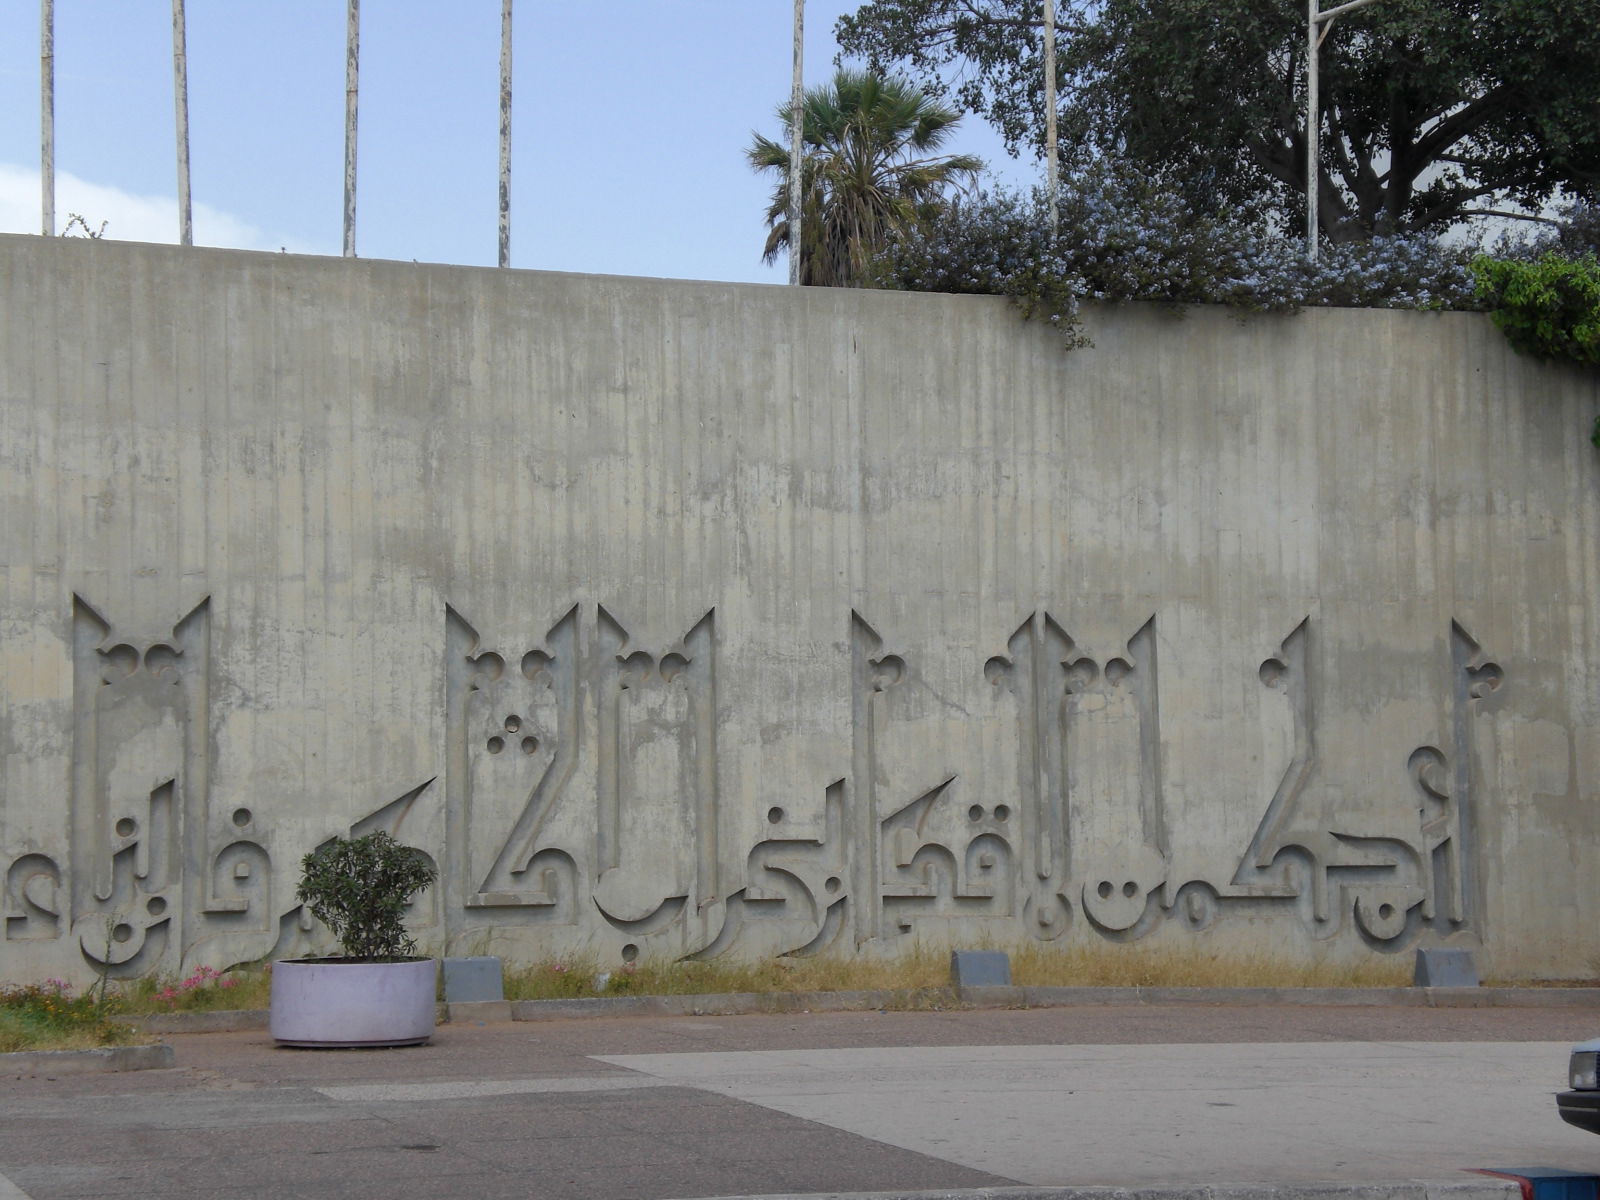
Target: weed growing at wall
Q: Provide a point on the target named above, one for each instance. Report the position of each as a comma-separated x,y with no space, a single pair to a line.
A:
52,1015
929,967
205,989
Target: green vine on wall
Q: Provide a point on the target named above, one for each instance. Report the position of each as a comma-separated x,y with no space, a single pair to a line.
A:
1548,307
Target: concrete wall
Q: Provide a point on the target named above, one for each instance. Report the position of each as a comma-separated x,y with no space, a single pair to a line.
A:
698,619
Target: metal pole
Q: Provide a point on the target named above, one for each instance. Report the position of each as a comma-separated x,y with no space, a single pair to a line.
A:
47,116
1053,171
797,121
1314,108
352,78
180,93
505,133
1313,128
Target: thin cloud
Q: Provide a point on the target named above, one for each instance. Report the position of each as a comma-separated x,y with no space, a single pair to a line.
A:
128,217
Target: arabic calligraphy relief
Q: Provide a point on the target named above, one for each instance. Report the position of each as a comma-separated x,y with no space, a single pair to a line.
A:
580,794
512,725
582,780
1391,887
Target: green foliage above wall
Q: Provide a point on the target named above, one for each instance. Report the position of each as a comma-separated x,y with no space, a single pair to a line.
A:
1548,307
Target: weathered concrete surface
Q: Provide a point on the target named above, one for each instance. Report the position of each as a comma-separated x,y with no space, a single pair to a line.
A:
519,1110
1159,1115
1488,1189
679,618
932,1000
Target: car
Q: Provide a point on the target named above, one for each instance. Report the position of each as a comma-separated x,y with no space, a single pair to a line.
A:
1581,1105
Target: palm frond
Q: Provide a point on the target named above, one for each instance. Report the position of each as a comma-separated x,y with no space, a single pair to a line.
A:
862,180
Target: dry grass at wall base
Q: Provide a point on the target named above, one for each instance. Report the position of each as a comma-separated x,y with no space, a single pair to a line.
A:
1032,965
53,1015
204,989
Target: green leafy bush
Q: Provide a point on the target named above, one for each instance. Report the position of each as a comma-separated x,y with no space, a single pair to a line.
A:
1549,307
359,888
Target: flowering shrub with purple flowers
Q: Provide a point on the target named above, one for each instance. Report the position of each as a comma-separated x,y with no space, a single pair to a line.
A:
1124,238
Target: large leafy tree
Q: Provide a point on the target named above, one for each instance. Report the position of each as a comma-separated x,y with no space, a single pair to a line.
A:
1433,111
868,172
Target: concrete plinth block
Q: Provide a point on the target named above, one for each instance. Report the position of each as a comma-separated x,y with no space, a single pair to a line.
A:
980,968
473,980
1445,967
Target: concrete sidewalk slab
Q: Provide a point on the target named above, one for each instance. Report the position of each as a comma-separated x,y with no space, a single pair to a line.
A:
1144,1116
1486,1190
516,1110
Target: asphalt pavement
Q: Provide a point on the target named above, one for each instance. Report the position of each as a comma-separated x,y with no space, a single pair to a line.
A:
1228,1101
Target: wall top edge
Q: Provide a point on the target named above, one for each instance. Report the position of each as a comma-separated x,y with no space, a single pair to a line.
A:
25,244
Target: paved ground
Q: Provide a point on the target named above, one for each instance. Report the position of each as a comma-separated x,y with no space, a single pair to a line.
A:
687,1107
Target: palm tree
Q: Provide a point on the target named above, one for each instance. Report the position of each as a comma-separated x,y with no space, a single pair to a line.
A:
862,179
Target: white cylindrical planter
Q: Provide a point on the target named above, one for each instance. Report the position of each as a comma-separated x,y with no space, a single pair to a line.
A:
328,1003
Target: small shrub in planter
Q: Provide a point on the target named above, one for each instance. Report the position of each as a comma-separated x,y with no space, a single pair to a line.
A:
379,993
359,888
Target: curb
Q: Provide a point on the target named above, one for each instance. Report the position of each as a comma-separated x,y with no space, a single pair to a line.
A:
477,1012
731,1004
1487,1189
727,1004
85,1062
937,999
219,1021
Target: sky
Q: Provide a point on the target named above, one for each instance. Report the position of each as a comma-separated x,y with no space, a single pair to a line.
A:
630,122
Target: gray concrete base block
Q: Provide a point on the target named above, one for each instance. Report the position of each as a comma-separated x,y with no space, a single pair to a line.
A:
460,1012
473,979
980,968
86,1062
1445,966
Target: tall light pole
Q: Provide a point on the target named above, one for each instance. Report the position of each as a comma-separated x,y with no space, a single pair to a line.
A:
1314,36
352,91
47,117
1053,172
797,121
180,100
505,133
